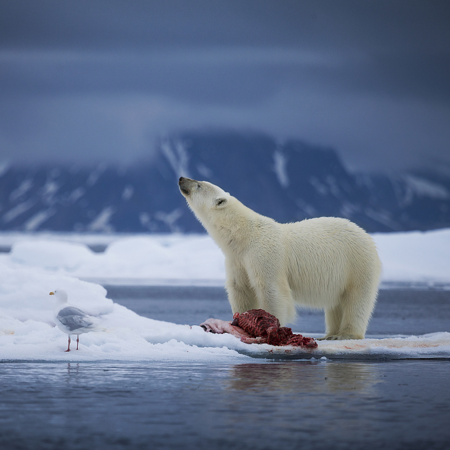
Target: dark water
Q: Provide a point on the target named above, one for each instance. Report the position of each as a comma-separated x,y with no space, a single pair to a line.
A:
398,311
252,405
307,405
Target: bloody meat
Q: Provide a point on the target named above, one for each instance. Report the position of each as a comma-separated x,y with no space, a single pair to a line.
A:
266,327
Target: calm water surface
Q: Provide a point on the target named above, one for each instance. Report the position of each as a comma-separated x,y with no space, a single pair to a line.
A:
398,311
255,405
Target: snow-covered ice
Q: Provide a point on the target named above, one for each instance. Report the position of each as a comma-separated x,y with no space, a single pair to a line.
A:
196,259
28,332
37,265
415,256
128,260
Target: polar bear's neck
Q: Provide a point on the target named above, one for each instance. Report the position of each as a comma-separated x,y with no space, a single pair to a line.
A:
231,227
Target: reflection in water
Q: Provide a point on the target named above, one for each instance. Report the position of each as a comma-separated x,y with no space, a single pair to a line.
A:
303,376
261,404
73,368
300,401
72,373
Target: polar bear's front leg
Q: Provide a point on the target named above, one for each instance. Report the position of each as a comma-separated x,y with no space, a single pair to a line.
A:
275,297
241,297
240,294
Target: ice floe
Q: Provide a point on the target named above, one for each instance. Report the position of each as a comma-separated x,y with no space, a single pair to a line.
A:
36,266
193,259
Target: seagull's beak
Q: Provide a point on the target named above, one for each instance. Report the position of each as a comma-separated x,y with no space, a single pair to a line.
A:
51,293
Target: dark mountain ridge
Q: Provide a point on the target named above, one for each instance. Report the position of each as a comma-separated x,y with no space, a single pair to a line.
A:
289,182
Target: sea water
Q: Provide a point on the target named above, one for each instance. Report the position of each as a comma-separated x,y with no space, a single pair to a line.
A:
258,404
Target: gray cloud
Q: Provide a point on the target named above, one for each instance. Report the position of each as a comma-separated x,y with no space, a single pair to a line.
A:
100,79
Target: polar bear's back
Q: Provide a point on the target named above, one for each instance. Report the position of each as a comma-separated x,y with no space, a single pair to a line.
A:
327,256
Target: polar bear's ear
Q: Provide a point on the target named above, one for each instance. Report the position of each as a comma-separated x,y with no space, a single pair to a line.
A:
221,202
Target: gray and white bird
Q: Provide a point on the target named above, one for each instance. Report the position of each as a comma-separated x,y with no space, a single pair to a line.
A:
71,320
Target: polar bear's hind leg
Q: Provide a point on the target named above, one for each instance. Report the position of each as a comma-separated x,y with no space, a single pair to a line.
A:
333,319
355,310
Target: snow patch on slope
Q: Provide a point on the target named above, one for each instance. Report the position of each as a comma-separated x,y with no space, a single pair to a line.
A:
425,188
280,162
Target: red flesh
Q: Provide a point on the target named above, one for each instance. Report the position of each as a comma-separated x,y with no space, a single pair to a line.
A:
264,328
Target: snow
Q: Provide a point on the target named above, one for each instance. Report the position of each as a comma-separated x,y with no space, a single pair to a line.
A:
280,163
76,194
23,188
49,189
96,174
128,192
38,264
39,218
101,222
28,332
17,210
425,188
132,259
4,167
176,155
383,217
429,346
415,256
196,259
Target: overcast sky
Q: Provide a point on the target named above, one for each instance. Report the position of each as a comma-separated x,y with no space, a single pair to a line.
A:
99,80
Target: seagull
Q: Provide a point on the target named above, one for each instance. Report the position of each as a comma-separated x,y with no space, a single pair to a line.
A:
71,320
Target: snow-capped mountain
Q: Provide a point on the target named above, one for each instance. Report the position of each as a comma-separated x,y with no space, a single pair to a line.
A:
289,182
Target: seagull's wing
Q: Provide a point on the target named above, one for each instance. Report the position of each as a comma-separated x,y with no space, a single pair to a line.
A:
73,318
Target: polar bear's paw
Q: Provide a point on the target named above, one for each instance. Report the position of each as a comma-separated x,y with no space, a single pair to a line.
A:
331,337
340,337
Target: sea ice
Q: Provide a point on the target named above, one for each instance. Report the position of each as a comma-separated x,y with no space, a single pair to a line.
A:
196,259
36,266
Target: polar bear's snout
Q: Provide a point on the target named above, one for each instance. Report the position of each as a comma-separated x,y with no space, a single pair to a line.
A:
186,185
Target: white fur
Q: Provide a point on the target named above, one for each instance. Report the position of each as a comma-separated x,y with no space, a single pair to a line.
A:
325,263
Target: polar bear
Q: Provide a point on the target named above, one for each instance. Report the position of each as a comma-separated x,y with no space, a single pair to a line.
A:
323,263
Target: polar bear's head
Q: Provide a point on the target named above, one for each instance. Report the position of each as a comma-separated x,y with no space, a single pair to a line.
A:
220,213
203,198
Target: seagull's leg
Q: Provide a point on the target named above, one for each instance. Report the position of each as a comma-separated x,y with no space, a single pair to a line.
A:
68,345
78,340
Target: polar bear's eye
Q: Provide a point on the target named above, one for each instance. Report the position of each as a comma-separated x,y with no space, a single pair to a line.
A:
221,201
199,185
